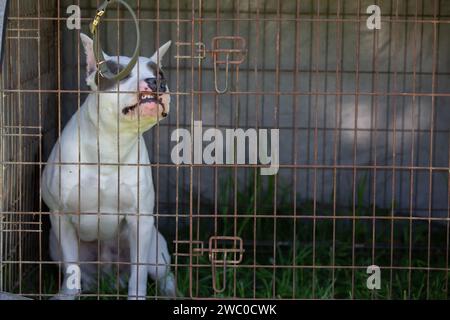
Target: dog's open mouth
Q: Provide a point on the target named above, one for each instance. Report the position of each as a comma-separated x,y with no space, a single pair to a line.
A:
147,100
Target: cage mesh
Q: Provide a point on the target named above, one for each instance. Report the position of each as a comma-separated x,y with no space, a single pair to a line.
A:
364,143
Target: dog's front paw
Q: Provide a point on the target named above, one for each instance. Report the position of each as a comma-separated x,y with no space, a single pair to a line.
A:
134,294
167,287
136,297
70,295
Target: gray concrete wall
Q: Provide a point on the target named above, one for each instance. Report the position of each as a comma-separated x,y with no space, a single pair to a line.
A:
370,129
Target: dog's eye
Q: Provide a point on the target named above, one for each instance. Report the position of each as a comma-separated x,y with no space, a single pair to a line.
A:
104,84
114,66
156,71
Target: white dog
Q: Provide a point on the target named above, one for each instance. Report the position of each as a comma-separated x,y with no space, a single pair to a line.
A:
98,182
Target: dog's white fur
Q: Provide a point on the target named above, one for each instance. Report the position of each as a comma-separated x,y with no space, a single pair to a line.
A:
93,198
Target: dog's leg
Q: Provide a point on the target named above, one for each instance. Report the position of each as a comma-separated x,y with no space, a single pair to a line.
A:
140,234
65,236
159,264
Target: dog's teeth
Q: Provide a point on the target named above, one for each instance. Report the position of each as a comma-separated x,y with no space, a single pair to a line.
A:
148,96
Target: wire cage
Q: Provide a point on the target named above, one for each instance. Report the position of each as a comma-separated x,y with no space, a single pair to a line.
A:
364,156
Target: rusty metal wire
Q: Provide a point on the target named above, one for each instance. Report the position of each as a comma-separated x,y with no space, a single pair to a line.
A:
365,145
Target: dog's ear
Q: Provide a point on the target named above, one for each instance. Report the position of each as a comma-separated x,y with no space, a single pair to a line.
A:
159,54
88,45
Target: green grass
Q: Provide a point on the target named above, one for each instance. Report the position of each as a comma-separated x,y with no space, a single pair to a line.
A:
299,256
331,254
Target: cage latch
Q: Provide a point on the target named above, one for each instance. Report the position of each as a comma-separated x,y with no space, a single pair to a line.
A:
222,251
227,50
199,52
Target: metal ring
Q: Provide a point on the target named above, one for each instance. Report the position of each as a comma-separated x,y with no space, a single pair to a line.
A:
102,67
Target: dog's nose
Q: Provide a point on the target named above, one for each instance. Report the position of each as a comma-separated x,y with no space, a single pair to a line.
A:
154,83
